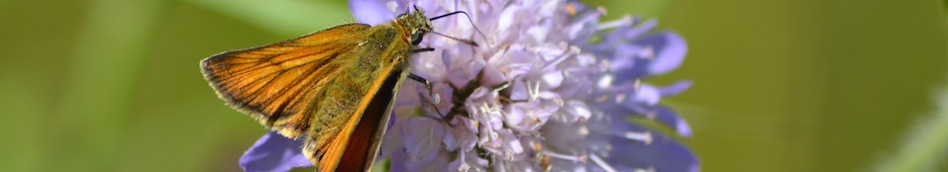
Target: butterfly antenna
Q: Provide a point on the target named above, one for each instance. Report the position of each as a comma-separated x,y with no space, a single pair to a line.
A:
408,6
468,19
465,41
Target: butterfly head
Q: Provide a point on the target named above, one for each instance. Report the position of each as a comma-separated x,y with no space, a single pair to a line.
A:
417,23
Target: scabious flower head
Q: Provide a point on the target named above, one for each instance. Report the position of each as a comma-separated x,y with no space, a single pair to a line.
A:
549,87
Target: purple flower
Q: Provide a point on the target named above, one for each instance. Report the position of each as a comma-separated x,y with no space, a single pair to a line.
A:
273,152
536,94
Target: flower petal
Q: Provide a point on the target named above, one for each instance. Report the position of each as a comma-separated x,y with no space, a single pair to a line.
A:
662,153
646,94
668,117
397,161
273,152
423,139
674,89
670,50
371,12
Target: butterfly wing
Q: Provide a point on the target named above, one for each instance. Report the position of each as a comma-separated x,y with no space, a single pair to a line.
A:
326,85
278,84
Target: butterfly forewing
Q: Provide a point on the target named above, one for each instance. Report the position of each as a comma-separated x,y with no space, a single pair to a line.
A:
321,85
278,84
334,86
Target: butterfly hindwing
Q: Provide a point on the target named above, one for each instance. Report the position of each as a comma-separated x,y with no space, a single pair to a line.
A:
361,96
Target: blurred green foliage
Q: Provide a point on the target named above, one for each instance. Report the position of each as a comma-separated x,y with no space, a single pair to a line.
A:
783,85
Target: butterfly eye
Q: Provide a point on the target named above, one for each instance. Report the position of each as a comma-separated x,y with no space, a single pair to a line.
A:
416,38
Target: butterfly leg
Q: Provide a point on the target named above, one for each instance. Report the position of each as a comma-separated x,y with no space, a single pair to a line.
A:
432,94
419,78
419,50
435,96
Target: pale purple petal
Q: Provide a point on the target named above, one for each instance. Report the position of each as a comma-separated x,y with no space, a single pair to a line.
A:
422,138
671,119
518,91
674,89
662,153
371,12
651,55
669,49
659,113
647,94
273,152
624,58
397,160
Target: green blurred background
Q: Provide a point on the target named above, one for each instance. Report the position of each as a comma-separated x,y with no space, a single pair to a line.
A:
780,85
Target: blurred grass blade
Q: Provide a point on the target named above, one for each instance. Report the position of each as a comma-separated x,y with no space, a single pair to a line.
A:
283,17
926,146
647,9
86,131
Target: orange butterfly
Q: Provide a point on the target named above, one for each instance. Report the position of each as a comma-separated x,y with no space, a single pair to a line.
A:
335,86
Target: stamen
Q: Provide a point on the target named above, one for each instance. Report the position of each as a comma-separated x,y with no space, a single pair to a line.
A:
621,97
647,53
649,169
602,164
639,136
571,9
583,131
494,142
637,84
501,87
625,20
601,149
464,167
559,102
435,98
583,159
533,91
572,51
589,17
605,65
536,146
537,123
605,81
580,23
602,98
651,115
545,163
484,108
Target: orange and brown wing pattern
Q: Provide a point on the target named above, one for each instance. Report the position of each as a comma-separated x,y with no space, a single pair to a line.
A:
349,123
278,84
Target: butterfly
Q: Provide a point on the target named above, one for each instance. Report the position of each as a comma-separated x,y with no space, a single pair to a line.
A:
334,88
